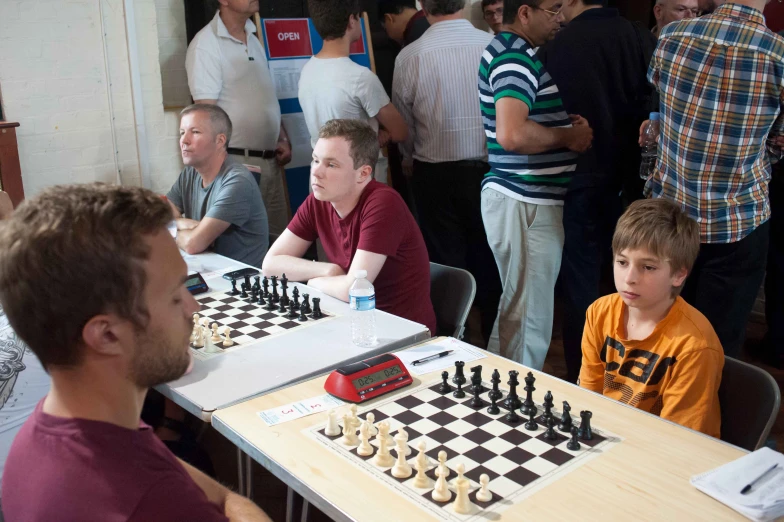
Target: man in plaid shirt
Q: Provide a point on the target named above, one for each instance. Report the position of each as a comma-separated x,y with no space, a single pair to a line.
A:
721,84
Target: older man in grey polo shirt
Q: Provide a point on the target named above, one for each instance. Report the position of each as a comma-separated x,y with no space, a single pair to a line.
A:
215,199
226,65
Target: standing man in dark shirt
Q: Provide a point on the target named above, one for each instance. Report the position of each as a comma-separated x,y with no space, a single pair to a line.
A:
599,61
402,21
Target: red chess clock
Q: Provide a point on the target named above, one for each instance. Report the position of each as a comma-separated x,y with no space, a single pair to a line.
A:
368,379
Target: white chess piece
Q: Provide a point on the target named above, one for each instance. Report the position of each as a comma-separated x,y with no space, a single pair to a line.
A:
404,434
216,338
484,495
209,345
370,418
460,471
462,504
421,480
198,341
365,449
442,463
401,469
383,458
354,419
349,434
195,330
441,491
332,429
205,323
227,339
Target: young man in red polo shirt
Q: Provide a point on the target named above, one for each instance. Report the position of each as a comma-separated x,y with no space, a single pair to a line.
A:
362,224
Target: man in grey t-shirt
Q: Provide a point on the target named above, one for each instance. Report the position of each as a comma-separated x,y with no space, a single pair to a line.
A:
215,199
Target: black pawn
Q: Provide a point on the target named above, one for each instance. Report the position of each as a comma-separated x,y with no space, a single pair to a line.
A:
512,401
493,409
459,375
265,286
531,425
529,390
459,393
476,379
548,406
573,443
445,387
495,393
477,402
295,298
244,294
566,418
317,314
302,316
292,313
234,290
253,295
512,416
585,432
275,296
260,300
256,283
305,307
550,433
270,305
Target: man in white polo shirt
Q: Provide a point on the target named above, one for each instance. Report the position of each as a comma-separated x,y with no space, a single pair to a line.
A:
227,66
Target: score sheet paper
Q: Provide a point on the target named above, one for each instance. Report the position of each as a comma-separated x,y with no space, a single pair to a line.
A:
462,352
296,410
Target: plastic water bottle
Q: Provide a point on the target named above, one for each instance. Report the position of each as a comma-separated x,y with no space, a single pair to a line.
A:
650,146
362,299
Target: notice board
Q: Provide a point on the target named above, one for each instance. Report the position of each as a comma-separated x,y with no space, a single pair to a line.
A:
289,44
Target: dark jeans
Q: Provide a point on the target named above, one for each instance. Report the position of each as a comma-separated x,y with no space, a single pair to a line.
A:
590,215
725,282
448,200
774,280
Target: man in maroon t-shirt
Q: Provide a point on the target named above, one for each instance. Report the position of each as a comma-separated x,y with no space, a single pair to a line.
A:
362,224
92,281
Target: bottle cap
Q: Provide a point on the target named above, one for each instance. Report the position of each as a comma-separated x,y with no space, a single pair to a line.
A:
360,274
655,116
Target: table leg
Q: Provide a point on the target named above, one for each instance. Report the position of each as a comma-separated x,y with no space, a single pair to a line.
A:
289,505
248,477
305,509
240,473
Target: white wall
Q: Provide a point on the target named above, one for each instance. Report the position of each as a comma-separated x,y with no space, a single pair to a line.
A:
173,44
53,74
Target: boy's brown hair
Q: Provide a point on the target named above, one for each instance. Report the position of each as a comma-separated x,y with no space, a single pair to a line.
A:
362,140
662,228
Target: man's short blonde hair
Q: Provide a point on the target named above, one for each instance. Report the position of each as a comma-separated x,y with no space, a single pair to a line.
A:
662,228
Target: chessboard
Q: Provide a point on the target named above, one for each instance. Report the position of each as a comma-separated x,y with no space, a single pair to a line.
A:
251,322
503,460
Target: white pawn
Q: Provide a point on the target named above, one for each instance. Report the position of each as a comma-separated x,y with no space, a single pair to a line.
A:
349,435
484,495
370,418
421,480
404,435
462,504
332,429
226,338
199,339
354,419
401,469
216,338
365,449
442,463
383,458
195,330
441,491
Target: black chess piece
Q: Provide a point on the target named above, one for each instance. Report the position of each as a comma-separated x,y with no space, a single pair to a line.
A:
566,418
284,296
573,443
234,290
493,409
271,306
265,285
459,393
445,387
247,284
292,312
529,391
253,294
531,425
459,375
512,416
256,283
477,401
244,294
302,316
476,379
295,297
550,433
495,393
305,307
284,282
512,401
260,300
548,406
585,432
317,314
275,296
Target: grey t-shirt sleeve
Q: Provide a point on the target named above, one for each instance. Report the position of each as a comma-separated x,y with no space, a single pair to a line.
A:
371,93
176,192
232,202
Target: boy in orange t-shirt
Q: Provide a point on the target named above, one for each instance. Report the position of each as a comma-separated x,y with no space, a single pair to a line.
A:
645,346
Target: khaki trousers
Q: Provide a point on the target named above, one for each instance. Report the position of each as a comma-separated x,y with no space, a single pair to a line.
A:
527,240
273,191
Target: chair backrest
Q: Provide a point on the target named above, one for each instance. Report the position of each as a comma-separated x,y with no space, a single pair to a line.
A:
452,292
750,399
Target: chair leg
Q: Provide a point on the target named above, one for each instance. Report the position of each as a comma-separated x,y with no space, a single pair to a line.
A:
305,510
248,477
240,473
289,505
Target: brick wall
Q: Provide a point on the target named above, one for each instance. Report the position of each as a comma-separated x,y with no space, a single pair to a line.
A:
55,82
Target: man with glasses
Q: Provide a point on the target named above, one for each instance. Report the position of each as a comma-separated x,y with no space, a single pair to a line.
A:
532,143
668,11
493,12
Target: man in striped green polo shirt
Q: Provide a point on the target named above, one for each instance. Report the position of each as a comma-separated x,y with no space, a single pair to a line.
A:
533,144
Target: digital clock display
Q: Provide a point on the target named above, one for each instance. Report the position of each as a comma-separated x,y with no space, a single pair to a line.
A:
193,281
377,377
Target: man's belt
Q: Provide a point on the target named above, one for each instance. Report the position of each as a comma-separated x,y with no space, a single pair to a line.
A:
264,154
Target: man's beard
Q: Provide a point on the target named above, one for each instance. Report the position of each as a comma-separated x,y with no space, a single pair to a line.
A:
158,359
